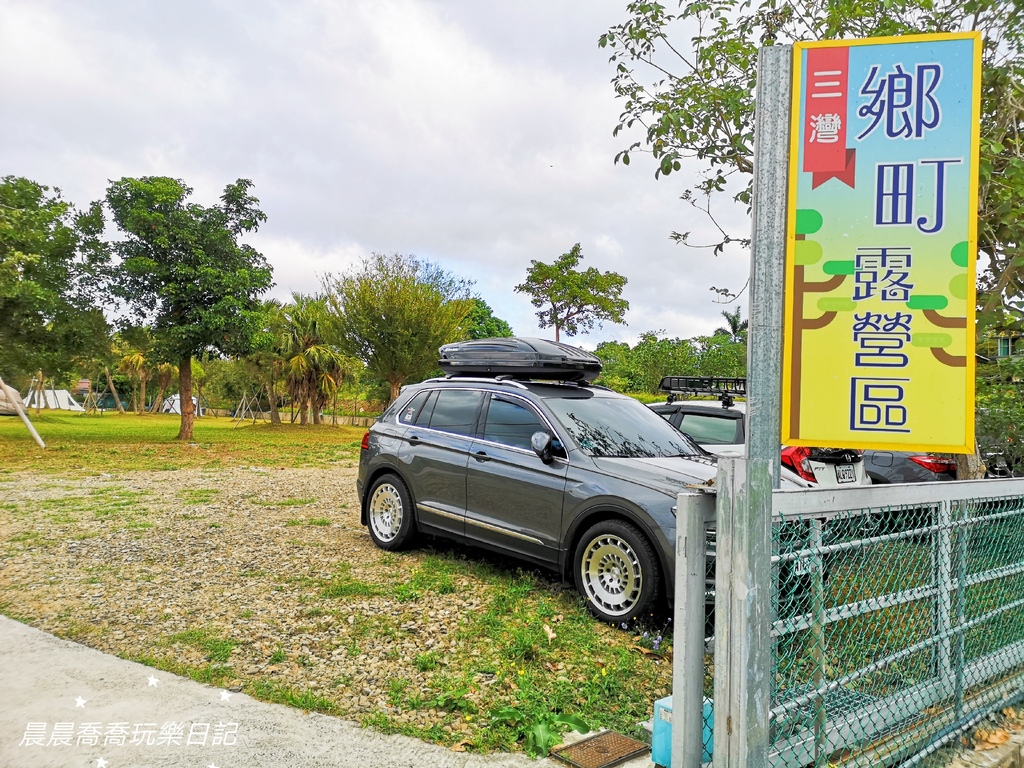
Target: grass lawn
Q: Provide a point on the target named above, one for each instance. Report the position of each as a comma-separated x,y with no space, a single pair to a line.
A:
253,571
115,442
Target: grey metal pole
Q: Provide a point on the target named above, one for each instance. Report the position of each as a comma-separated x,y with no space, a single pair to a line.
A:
767,269
743,670
688,644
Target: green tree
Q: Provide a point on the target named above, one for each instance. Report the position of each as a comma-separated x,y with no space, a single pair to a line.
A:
52,271
183,267
393,312
653,358
138,368
482,324
720,355
573,301
696,101
313,365
614,357
737,330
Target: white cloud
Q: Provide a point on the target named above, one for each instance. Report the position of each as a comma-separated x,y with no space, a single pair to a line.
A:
476,135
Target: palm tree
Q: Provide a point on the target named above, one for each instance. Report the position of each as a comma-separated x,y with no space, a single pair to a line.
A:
313,367
737,330
166,374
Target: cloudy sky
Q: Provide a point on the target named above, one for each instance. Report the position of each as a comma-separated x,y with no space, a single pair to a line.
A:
473,134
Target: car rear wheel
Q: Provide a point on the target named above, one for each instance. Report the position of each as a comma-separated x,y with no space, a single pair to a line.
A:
389,515
617,572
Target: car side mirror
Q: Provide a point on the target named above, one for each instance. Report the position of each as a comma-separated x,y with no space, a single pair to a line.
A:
541,443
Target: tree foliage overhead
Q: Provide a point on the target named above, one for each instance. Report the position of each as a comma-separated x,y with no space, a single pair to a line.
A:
52,267
641,367
393,312
482,324
183,267
571,300
687,76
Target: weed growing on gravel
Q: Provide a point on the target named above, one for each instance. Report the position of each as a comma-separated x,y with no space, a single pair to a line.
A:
276,693
344,585
426,662
289,502
278,655
212,674
198,495
216,648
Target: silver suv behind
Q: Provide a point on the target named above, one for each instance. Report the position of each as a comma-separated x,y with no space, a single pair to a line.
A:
569,476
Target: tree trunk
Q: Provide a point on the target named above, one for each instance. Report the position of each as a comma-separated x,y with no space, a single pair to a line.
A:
275,415
40,393
113,391
556,332
159,400
969,466
142,396
303,410
188,414
395,387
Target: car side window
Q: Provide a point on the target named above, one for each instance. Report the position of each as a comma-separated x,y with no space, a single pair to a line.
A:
413,408
456,410
511,424
709,430
423,418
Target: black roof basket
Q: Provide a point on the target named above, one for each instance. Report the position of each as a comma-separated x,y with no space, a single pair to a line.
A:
519,358
724,388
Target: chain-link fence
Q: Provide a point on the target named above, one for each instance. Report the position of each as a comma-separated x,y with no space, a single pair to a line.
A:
897,623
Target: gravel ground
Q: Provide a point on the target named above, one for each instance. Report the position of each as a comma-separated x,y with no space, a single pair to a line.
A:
125,562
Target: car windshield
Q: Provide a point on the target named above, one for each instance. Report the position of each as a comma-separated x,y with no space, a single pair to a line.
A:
619,427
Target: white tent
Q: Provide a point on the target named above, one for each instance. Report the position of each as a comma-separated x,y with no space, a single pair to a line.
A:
9,402
173,405
9,398
58,399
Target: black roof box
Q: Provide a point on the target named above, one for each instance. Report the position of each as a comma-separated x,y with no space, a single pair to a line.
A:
520,358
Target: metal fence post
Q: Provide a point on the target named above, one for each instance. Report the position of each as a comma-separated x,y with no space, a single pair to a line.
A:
743,657
688,644
941,552
742,624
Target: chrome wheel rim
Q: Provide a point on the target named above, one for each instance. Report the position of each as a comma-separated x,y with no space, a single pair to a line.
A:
386,512
611,574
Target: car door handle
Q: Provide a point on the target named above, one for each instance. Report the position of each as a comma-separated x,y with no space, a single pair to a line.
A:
481,456
414,438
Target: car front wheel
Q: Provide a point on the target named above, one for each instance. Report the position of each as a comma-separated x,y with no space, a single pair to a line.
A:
389,516
617,572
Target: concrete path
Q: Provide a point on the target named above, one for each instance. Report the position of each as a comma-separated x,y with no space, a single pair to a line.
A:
64,705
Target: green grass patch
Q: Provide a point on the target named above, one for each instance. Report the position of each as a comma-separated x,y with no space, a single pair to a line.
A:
198,495
78,443
216,648
289,502
277,693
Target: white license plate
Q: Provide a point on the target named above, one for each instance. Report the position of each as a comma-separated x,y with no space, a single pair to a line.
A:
845,473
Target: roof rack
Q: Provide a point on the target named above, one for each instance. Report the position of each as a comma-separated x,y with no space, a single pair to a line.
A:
503,379
724,388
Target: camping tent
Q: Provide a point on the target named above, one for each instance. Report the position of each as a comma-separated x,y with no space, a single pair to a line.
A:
9,401
9,398
173,405
58,399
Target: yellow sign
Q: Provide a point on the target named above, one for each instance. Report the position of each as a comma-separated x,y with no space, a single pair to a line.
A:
881,244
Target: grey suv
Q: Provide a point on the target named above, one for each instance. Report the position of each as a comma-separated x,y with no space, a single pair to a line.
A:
569,476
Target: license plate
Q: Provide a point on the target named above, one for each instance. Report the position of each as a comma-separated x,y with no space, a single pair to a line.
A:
845,473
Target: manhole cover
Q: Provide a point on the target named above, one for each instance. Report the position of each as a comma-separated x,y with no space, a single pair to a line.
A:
600,751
